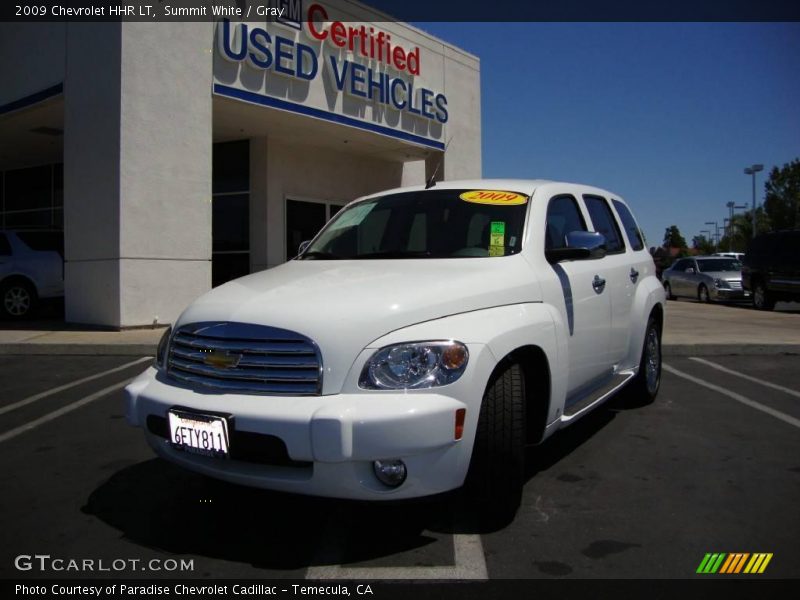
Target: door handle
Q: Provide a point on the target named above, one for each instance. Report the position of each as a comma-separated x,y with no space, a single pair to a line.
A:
599,284
634,275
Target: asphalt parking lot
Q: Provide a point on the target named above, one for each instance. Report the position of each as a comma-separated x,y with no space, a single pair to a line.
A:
629,492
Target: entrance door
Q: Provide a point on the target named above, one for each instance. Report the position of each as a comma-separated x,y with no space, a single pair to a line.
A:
304,219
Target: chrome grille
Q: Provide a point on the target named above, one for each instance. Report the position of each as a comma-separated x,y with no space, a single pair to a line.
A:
240,357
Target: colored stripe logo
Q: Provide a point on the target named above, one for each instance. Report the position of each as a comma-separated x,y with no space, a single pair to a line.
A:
734,563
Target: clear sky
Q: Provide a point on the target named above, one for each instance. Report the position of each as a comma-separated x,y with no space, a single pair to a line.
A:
665,114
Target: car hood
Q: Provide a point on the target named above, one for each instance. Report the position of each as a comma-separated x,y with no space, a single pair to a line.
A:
726,275
344,306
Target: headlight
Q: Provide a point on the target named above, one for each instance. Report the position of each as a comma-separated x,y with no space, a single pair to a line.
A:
161,351
414,366
721,283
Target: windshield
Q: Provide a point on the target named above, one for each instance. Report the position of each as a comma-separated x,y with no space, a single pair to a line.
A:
425,224
719,264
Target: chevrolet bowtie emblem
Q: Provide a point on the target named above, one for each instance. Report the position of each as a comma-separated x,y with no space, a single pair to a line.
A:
222,360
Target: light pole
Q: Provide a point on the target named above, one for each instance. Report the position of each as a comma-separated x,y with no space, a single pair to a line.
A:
715,239
702,231
752,171
731,206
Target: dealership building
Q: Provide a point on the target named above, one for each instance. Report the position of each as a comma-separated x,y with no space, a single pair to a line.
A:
178,155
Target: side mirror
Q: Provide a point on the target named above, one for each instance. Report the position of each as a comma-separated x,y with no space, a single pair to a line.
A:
303,246
580,246
690,270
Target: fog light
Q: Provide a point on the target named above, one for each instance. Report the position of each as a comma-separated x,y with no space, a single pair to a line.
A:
390,472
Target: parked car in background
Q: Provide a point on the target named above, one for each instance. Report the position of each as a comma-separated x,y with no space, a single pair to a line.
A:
31,269
771,268
706,278
737,255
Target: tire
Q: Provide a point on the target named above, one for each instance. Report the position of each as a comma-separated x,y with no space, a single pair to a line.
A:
668,291
17,299
702,294
762,299
497,467
644,387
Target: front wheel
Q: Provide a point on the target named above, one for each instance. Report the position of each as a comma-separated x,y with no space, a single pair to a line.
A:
668,291
702,294
762,299
644,387
497,468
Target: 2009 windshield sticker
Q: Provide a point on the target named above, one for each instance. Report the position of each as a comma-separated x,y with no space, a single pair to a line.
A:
495,197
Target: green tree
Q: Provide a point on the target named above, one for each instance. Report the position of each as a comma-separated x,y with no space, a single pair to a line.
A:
703,245
739,235
673,238
782,203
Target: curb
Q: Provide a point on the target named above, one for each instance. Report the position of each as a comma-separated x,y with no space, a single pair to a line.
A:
668,350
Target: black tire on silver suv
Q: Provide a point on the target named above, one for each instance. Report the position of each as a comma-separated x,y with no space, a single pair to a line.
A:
668,291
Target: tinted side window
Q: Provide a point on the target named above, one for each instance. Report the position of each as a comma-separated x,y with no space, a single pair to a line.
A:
5,247
629,223
789,245
763,245
681,265
52,241
563,216
604,223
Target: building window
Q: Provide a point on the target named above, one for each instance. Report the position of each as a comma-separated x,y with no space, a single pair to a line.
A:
230,256
304,219
32,198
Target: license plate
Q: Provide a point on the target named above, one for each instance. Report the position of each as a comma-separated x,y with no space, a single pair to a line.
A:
199,434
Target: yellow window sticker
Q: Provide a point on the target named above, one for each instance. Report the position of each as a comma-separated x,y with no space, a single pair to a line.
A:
495,197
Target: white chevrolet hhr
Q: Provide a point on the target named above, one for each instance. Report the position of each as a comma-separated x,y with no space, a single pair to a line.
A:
418,343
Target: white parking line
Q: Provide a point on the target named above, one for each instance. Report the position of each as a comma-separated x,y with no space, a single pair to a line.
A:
66,386
738,397
61,411
470,564
774,386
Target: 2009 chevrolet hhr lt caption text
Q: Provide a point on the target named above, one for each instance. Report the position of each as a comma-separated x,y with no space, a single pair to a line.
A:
417,344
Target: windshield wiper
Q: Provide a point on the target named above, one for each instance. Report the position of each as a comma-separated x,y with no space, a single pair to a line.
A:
320,255
395,254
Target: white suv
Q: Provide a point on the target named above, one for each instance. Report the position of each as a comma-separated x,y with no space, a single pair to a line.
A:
420,341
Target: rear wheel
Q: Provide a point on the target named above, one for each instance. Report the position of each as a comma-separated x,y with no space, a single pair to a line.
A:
497,468
18,299
702,294
762,299
644,387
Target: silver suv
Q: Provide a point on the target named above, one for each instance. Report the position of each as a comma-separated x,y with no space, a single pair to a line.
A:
31,268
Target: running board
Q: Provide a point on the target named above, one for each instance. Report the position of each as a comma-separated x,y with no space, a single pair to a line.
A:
596,396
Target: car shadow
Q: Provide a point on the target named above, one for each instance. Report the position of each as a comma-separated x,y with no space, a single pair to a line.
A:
161,506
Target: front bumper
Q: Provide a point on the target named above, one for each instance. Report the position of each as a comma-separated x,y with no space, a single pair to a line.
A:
729,294
330,441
